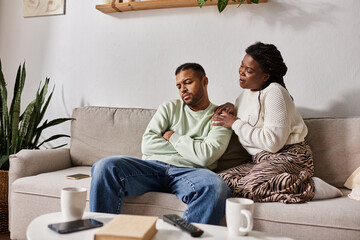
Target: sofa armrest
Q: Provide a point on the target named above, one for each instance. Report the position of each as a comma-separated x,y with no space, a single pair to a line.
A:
31,162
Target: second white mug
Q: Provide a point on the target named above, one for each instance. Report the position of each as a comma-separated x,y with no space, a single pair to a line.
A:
73,201
239,216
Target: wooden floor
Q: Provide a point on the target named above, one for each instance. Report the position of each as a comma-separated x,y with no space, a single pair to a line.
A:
4,236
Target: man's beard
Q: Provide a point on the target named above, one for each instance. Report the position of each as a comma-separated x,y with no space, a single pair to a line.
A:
194,99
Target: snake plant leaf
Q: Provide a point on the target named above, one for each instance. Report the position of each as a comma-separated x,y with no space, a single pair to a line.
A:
43,91
42,113
31,128
222,5
4,160
51,139
45,125
25,121
36,136
16,87
53,123
60,146
15,109
201,2
4,118
36,118
41,98
22,131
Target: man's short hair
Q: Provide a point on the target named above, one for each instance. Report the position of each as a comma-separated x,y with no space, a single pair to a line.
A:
193,66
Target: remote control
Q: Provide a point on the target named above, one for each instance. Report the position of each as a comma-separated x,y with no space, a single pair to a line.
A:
184,225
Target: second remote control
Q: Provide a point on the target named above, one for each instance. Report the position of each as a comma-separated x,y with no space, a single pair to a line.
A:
184,225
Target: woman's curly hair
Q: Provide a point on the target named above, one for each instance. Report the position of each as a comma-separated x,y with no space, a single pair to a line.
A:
270,61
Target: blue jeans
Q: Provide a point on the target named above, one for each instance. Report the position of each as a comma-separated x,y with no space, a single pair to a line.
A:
114,178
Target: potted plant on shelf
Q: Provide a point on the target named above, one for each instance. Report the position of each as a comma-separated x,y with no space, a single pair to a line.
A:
21,131
221,4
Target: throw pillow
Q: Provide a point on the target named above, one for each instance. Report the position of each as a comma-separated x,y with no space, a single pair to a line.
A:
354,180
355,193
324,190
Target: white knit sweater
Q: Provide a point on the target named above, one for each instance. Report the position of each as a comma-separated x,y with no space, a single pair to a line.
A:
279,122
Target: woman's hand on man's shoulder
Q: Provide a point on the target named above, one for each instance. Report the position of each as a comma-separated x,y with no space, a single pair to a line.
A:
227,107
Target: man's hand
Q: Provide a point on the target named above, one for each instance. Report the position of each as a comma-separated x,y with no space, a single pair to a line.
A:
224,119
227,107
167,135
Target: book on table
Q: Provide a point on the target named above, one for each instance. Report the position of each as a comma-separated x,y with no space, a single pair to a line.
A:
124,227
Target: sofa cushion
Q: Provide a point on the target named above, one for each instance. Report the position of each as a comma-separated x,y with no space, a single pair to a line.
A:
49,185
324,190
340,213
40,194
335,145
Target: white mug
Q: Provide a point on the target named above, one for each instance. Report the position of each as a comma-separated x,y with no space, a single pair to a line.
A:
73,201
239,216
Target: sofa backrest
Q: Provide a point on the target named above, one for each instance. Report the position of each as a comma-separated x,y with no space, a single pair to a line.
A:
98,132
335,143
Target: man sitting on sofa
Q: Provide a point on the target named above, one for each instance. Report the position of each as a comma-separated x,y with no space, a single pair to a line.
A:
179,147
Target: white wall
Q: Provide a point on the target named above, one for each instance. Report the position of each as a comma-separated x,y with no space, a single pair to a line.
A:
128,59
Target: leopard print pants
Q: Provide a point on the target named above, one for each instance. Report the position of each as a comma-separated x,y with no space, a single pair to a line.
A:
284,176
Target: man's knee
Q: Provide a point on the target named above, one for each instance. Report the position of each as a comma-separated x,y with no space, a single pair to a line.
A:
105,165
217,187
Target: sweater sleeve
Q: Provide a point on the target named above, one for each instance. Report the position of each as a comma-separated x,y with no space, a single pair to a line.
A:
202,152
152,141
275,131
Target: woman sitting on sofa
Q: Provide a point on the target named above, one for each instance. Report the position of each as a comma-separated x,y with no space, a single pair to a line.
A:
271,130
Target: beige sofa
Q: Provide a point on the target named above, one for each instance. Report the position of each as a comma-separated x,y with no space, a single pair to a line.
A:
36,176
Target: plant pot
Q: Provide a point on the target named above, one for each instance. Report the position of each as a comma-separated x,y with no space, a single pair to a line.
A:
4,210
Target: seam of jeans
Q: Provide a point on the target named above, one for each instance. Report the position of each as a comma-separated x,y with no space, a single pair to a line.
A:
186,212
139,174
119,202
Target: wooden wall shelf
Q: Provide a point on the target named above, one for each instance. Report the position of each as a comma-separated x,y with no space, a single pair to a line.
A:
156,4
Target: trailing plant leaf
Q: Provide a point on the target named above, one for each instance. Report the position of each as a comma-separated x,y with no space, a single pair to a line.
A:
22,131
222,5
201,2
241,2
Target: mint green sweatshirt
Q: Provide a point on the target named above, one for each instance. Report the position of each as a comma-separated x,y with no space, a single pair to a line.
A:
195,142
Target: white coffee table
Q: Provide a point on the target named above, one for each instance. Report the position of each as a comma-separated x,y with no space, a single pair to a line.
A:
38,230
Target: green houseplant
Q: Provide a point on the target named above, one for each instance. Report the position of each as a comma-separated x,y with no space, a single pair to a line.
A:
20,131
23,131
223,3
